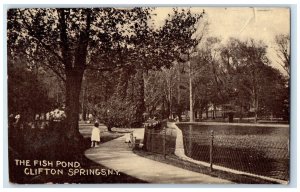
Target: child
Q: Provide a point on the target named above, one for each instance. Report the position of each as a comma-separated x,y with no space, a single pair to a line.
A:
95,138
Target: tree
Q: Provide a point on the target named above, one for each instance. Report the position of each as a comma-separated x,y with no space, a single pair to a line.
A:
160,91
184,25
24,90
207,74
283,42
150,49
283,51
274,97
249,75
69,41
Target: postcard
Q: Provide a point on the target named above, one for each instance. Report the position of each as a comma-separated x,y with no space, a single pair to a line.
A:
176,95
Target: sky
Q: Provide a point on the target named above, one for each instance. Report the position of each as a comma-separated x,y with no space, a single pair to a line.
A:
259,23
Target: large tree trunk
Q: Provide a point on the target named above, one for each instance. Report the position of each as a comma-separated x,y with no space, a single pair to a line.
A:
84,107
73,86
75,63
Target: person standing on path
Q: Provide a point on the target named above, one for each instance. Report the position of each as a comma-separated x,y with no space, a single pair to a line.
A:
95,137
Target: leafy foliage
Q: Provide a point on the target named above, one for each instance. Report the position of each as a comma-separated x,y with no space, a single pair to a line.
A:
69,41
149,49
283,51
24,91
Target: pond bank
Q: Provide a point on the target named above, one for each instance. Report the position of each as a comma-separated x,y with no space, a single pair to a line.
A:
180,152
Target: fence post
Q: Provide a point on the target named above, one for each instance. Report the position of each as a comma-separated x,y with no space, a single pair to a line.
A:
164,142
211,150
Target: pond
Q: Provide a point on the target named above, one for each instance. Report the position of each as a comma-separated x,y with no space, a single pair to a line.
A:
257,149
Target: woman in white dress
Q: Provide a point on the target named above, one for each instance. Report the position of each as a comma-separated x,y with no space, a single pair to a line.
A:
95,138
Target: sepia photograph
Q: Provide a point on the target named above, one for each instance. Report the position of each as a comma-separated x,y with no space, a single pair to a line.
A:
148,95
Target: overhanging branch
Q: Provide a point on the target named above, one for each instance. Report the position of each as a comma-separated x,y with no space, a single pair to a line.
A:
56,71
38,40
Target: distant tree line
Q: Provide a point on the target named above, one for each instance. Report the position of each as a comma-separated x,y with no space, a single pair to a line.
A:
235,77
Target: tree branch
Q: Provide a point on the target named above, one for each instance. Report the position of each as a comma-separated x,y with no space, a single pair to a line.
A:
38,40
105,68
52,68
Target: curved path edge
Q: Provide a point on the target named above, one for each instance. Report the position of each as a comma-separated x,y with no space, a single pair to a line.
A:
117,155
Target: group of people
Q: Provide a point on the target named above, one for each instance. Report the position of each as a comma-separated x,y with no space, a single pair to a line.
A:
37,121
57,115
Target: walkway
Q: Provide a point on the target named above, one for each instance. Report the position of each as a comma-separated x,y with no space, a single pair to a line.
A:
117,155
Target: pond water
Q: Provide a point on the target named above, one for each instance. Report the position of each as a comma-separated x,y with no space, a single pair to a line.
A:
261,150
